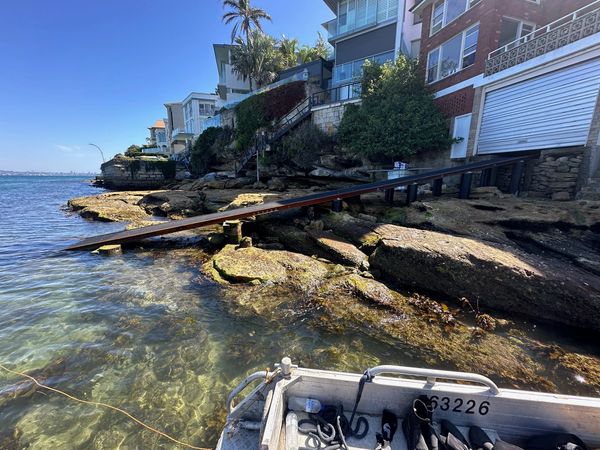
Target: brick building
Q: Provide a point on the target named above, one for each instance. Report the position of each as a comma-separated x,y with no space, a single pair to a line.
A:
516,75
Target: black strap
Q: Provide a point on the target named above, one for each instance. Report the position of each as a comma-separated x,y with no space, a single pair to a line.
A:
367,377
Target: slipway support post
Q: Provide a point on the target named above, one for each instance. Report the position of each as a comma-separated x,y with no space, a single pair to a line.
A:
411,193
465,185
486,178
436,188
389,196
336,205
515,177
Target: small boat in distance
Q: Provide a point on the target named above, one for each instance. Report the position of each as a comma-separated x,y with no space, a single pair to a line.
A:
281,412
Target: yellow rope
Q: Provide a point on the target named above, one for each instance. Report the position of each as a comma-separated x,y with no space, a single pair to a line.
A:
114,408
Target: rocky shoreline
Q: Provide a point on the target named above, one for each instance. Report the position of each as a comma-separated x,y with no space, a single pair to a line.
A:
378,270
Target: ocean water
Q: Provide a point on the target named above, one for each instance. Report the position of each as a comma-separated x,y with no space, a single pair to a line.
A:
144,331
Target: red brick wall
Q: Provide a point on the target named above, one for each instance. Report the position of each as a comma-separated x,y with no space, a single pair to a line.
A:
457,103
489,15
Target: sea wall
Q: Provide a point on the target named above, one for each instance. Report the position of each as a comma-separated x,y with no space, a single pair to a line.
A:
140,172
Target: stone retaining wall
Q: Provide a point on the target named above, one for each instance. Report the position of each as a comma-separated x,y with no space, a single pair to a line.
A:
555,174
328,117
130,173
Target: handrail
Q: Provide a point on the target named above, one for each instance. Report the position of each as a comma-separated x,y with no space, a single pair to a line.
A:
353,88
240,387
433,374
547,28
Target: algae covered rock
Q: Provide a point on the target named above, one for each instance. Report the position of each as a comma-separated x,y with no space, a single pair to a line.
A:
111,207
244,265
496,276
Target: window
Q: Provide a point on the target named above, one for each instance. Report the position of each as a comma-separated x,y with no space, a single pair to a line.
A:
351,70
415,48
445,11
451,55
355,14
456,54
432,65
513,29
470,47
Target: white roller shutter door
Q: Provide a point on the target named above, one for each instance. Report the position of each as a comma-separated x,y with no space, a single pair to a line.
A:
550,111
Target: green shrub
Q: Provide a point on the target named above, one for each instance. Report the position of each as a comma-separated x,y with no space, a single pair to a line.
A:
397,117
202,155
302,147
261,110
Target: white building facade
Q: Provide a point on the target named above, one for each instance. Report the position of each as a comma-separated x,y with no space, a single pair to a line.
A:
197,107
377,30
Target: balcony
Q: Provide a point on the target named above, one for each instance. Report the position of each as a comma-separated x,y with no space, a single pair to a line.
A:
179,134
360,15
569,29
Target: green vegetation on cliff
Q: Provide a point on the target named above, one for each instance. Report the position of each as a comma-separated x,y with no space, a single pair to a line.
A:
397,117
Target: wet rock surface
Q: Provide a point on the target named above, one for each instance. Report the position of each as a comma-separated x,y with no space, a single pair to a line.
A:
111,207
340,299
174,203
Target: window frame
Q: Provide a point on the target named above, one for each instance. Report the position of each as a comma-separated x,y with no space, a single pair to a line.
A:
469,4
519,27
438,49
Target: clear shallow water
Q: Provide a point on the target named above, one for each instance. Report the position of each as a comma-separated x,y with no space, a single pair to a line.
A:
144,331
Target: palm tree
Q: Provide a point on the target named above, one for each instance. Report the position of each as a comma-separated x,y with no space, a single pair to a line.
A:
288,48
307,53
245,16
258,59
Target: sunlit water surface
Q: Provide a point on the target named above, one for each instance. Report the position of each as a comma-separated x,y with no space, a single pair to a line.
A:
144,331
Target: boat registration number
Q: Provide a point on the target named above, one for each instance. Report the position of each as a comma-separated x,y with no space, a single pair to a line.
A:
460,405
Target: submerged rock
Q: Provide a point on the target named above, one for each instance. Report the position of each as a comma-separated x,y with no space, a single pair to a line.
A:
293,284
496,276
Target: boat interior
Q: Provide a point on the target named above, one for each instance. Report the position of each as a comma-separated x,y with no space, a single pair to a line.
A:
511,415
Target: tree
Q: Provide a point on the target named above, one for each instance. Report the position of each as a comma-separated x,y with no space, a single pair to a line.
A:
288,48
321,49
258,59
397,117
133,150
202,155
245,17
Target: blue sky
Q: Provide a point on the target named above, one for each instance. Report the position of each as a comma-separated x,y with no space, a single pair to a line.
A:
74,72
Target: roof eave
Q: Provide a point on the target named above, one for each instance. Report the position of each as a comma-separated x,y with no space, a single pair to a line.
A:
420,6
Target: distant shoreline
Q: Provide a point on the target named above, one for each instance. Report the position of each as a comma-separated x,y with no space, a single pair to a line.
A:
8,173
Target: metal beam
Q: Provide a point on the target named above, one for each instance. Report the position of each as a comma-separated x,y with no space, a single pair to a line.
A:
266,208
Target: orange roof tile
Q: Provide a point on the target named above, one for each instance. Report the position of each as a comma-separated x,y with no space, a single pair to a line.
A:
158,124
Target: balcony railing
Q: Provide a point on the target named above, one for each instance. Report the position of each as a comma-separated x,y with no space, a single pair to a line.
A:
337,94
180,133
578,25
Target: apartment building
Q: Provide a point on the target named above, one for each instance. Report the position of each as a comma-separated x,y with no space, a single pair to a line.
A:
457,38
232,86
197,107
375,30
158,138
518,76
175,128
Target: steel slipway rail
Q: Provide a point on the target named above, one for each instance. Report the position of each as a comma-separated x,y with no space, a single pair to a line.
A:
121,237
